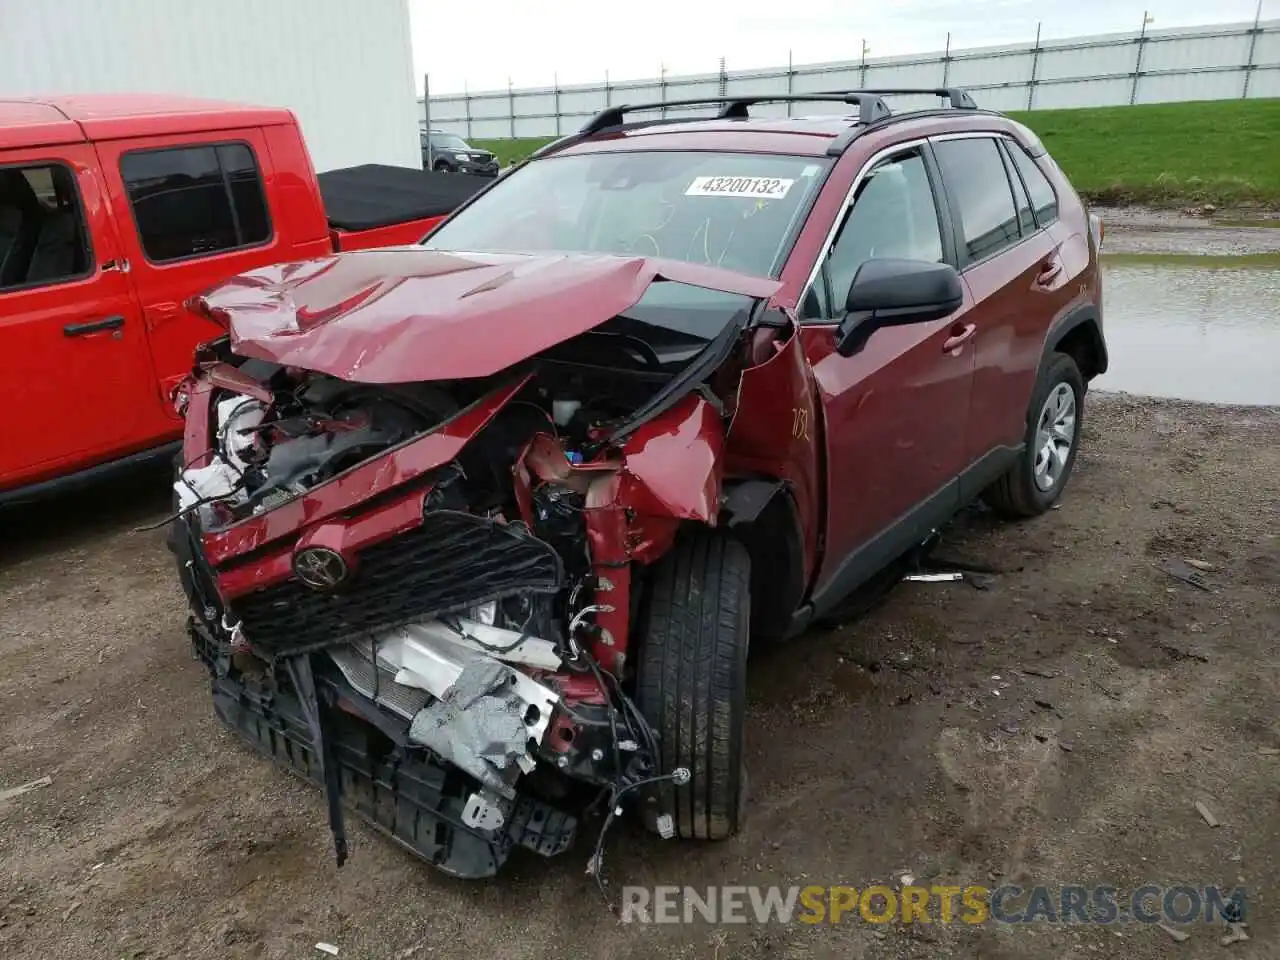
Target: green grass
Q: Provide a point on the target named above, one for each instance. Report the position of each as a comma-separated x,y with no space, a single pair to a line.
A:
511,151
1221,152
1224,152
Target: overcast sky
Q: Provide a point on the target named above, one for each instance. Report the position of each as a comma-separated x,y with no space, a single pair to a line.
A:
481,44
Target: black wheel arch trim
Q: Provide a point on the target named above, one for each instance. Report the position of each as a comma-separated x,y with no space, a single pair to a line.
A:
1087,315
745,500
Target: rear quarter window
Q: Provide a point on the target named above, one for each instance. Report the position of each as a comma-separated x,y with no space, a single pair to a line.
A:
1043,199
196,201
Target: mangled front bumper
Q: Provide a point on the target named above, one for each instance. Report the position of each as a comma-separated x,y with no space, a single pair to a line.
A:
406,794
414,727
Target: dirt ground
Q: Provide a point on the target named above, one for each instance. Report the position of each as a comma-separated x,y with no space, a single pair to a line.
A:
908,740
1140,230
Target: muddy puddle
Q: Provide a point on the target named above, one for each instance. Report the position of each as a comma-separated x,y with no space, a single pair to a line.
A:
1196,331
1192,311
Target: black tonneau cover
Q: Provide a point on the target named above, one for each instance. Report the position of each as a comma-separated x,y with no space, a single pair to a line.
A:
375,195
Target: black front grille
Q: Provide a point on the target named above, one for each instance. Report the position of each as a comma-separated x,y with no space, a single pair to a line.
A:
453,562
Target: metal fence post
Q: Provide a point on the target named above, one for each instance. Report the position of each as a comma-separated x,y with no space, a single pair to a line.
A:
1137,65
662,89
556,80
946,61
466,105
426,114
862,76
511,107
1035,67
791,77
608,99
1253,43
724,79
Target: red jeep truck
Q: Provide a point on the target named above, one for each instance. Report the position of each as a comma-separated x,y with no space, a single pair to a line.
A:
116,209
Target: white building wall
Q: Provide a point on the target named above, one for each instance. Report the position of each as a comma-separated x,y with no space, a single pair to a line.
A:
344,67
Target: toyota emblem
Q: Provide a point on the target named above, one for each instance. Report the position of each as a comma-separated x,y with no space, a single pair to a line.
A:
320,568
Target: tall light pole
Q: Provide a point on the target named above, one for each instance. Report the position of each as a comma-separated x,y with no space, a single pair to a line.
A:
1137,64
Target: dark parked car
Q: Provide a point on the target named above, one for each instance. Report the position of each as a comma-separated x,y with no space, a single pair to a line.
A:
449,153
478,533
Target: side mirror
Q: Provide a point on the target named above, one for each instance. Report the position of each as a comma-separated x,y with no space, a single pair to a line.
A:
891,292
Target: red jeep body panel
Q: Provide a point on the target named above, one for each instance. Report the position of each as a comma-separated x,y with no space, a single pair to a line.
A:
395,235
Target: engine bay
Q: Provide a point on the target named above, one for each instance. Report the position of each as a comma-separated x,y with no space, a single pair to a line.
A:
303,428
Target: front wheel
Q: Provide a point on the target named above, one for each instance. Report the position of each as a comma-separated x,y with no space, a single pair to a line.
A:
1054,417
692,683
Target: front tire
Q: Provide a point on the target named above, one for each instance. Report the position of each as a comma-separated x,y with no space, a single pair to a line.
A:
692,683
1054,417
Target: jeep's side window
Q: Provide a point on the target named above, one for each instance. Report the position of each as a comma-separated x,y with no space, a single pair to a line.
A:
195,201
43,239
1043,200
893,215
975,177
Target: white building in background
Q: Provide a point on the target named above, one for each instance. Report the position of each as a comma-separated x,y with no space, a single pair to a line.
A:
344,67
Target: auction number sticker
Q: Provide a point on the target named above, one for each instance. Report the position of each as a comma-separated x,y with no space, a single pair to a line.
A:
760,188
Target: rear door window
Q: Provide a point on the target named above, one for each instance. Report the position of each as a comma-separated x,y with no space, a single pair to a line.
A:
196,201
1043,200
43,237
976,179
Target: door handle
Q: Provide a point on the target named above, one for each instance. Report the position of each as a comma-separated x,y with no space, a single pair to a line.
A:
959,337
1049,271
93,326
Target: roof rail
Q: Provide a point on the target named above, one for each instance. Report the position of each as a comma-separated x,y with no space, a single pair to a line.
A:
871,109
869,103
959,97
841,142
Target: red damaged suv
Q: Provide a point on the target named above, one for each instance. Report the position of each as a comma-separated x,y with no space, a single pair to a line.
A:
476,532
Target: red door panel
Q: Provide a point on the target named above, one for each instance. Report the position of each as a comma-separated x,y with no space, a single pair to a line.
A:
894,417
1018,291
893,414
76,386
182,191
1021,290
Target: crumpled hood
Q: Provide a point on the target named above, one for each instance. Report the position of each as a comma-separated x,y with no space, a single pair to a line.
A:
407,314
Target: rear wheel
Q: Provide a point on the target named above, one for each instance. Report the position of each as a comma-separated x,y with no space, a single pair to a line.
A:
441,167
692,673
1036,480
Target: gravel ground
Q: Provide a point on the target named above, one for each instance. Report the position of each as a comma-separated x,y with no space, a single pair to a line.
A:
910,739
1140,230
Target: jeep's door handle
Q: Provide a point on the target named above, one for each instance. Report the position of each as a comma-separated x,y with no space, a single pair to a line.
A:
1049,272
93,326
959,337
